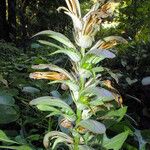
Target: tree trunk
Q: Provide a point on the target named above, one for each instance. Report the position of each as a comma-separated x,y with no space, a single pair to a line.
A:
12,19
23,21
4,34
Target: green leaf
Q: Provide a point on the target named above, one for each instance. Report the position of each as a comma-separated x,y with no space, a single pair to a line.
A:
7,100
141,140
57,141
49,44
47,108
146,135
55,135
24,147
116,142
74,56
90,59
46,101
117,113
102,53
8,114
4,138
97,69
85,147
31,90
57,36
72,86
102,95
93,126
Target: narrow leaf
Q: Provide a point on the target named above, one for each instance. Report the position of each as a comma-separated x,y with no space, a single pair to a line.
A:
47,43
57,36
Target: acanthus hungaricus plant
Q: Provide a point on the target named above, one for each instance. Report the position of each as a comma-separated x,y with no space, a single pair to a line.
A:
96,105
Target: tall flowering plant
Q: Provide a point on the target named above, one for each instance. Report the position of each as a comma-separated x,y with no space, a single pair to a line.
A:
95,105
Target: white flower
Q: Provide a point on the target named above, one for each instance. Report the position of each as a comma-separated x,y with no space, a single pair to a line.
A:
86,28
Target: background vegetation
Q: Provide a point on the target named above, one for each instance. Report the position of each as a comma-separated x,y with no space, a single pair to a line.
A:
20,19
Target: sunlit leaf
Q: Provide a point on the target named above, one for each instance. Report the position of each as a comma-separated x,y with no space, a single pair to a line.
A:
57,36
102,53
101,94
74,56
51,101
47,103
93,126
72,86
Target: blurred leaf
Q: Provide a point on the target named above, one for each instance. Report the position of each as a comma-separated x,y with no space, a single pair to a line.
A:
130,82
7,100
5,82
31,90
35,45
140,139
8,114
146,135
24,147
146,81
85,147
4,138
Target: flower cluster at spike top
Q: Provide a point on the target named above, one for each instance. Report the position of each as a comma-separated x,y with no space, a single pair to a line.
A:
86,28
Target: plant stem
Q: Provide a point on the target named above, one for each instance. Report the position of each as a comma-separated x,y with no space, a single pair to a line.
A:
76,142
78,111
77,137
83,51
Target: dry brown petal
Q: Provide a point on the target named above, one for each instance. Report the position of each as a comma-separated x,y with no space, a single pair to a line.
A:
48,75
66,123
